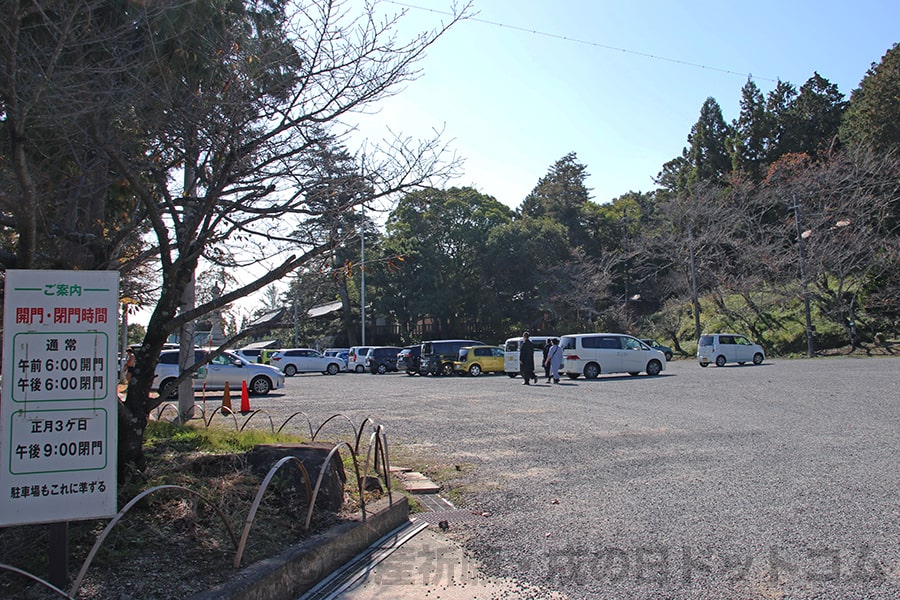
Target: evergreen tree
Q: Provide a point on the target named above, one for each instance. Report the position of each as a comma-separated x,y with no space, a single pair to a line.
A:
815,116
674,174
873,114
707,154
750,131
561,196
778,105
442,236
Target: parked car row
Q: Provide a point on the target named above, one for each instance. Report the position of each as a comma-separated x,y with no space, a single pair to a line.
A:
587,354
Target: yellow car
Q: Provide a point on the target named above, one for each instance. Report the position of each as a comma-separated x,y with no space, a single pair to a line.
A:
476,360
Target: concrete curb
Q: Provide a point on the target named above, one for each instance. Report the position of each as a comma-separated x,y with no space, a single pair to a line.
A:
300,567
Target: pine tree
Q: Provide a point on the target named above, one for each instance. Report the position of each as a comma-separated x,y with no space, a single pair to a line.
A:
561,195
815,116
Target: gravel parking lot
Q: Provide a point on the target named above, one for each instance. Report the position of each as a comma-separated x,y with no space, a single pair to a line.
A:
771,481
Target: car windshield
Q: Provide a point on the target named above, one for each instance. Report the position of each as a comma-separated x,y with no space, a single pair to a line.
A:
228,358
633,344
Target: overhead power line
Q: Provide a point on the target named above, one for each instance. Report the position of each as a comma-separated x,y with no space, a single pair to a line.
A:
587,43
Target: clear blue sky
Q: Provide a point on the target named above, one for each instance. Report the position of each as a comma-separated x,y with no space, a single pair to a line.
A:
513,102
515,98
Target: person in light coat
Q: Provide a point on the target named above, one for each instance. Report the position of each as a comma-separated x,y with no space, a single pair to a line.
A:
554,359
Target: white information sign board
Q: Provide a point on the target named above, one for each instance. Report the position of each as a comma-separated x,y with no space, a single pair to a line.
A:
59,404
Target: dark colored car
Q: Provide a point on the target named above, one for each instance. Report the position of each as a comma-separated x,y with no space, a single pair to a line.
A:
382,359
408,359
657,346
437,356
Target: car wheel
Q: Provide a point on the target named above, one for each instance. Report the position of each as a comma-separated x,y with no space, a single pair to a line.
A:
591,370
359,368
572,375
654,368
382,369
332,369
742,362
412,373
757,358
168,391
260,385
290,370
634,373
475,370
720,361
704,365
669,356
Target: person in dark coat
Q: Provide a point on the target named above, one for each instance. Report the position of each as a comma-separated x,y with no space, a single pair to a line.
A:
526,359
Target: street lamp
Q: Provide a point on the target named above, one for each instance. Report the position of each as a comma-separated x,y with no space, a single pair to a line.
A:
802,235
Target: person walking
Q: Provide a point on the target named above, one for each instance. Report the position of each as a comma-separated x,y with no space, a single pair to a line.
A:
554,359
544,362
526,359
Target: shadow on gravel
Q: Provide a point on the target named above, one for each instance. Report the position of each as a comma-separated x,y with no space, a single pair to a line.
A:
625,377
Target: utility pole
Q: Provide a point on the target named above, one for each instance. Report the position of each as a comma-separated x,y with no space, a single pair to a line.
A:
362,271
695,299
810,346
625,250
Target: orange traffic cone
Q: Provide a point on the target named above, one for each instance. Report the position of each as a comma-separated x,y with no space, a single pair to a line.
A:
226,398
245,397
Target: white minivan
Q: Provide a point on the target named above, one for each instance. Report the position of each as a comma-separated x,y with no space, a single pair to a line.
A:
593,354
511,353
723,348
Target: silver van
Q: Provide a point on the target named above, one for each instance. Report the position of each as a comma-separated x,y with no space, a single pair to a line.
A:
724,348
593,354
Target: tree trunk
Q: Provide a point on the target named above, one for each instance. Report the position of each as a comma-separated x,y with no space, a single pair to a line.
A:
186,356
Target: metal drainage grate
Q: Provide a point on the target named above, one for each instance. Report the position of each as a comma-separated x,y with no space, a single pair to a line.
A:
436,510
433,502
341,579
450,516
